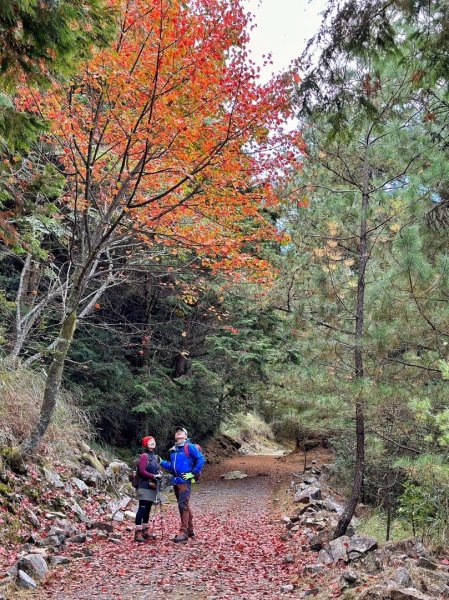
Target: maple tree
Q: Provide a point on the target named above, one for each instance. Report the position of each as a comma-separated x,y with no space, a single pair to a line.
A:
164,138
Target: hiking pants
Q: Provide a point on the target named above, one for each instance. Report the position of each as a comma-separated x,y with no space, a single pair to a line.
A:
182,493
143,512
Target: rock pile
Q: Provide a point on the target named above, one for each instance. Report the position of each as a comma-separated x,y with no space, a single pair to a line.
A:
64,510
401,570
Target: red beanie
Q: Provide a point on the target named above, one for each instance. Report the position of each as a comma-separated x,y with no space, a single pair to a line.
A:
147,439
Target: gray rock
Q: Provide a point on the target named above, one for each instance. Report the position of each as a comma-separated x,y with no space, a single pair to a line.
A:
402,577
347,579
408,594
332,506
339,548
80,512
53,478
425,563
310,480
287,588
234,475
102,526
360,545
373,562
121,504
33,519
317,542
79,484
324,557
310,493
66,526
92,477
59,560
25,581
50,541
410,547
77,539
118,516
12,571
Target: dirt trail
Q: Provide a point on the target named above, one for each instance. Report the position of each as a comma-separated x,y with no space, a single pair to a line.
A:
238,552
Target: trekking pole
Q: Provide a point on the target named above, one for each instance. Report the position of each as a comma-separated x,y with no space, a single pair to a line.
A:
161,516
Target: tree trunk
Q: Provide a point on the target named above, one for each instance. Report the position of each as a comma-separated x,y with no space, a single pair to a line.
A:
363,255
52,384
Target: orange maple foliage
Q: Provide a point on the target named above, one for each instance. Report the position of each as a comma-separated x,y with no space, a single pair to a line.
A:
169,135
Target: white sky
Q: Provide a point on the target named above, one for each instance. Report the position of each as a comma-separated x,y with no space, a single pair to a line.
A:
283,28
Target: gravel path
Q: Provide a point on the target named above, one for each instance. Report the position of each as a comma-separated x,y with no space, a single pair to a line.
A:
237,553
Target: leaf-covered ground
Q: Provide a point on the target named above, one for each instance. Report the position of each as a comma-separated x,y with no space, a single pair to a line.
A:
238,552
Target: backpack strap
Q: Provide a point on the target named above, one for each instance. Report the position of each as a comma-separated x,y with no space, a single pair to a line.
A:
186,450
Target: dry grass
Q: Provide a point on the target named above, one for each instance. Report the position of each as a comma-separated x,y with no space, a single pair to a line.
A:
21,393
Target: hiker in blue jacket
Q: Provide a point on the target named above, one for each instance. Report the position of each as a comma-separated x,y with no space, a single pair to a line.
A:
185,464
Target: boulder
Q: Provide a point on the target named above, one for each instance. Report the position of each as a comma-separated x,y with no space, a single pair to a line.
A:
339,548
234,475
34,565
308,494
360,545
53,478
25,581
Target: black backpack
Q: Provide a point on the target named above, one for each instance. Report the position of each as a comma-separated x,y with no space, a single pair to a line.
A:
134,477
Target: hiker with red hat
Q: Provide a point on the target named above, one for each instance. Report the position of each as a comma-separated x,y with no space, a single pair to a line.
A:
149,475
185,464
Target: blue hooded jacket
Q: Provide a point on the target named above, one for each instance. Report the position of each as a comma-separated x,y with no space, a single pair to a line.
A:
180,463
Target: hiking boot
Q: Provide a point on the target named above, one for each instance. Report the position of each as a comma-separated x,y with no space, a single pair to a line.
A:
138,537
148,536
181,537
191,534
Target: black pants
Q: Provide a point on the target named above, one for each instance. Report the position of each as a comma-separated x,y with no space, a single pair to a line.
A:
143,512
